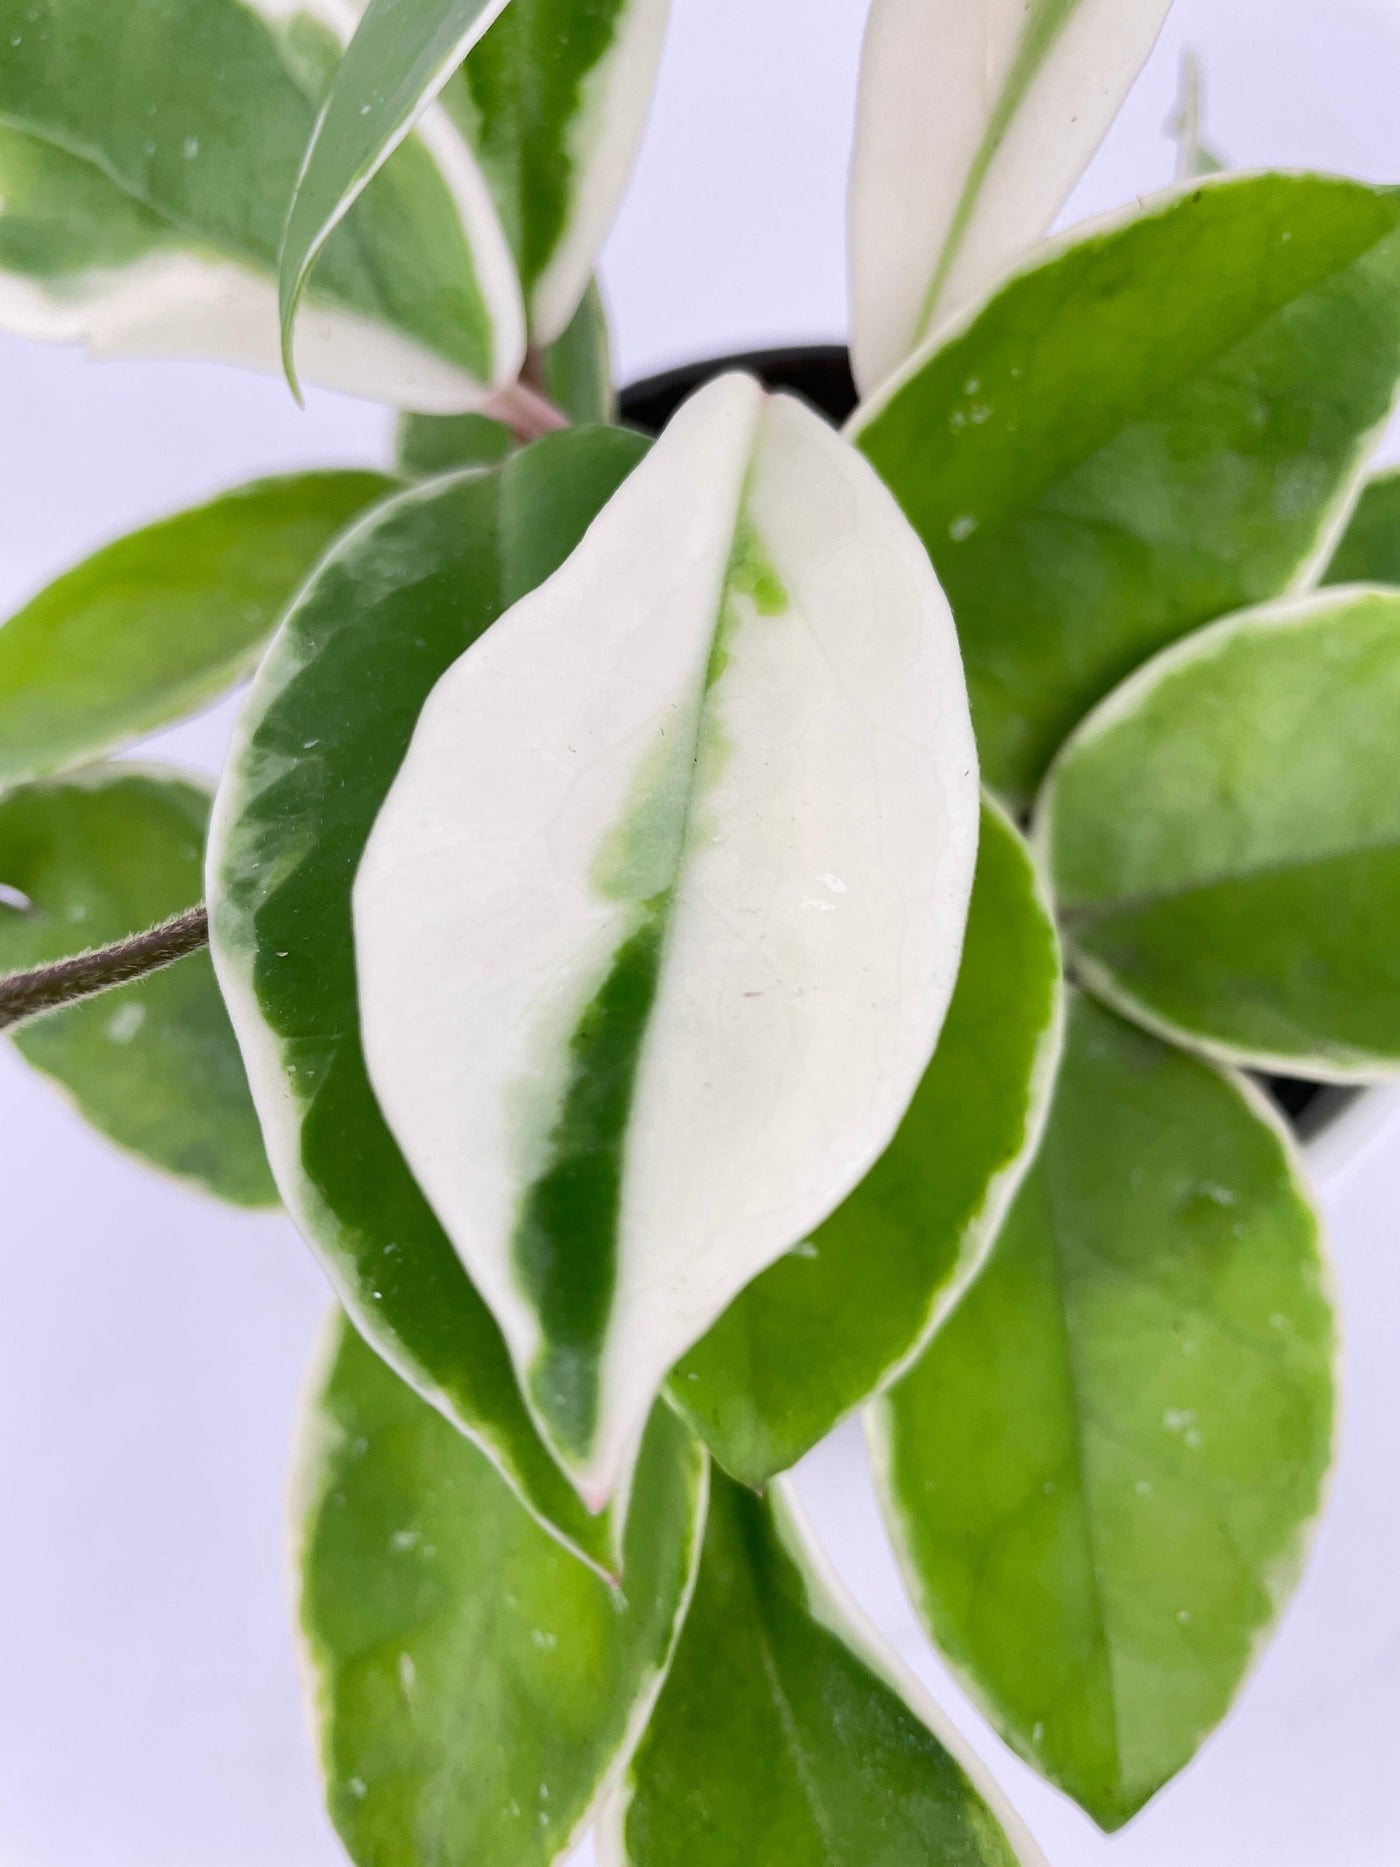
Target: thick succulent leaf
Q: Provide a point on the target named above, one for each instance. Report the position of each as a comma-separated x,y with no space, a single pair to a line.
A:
659,922
473,1684
828,1324
1369,551
401,54
325,728
786,1733
976,119
554,101
1224,838
1102,1473
1161,423
575,374
142,216
93,859
159,623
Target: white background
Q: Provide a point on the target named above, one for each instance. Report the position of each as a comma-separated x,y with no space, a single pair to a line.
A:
152,1344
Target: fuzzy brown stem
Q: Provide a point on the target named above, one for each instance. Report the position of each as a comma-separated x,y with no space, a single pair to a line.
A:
26,995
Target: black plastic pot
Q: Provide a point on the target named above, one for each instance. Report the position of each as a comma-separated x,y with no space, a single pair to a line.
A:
821,375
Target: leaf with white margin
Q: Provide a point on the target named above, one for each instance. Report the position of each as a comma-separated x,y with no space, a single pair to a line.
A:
787,1732
473,1686
976,119
323,733
147,153
401,54
95,858
1223,838
1102,1476
157,624
658,925
852,1305
1162,419
554,101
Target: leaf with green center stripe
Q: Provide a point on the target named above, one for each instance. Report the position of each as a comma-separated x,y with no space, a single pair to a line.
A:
474,1686
785,1732
1163,422
1102,1474
1224,837
147,153
320,740
976,119
154,1065
554,100
658,925
161,622
1370,548
575,375
815,1335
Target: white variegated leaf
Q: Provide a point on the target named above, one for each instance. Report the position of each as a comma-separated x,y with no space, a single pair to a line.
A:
976,119
657,927
554,101
142,218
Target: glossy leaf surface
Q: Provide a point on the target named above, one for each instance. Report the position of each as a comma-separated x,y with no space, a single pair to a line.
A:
147,154
391,610
154,1065
1103,1471
1161,423
657,928
554,101
473,1684
161,622
784,1732
1224,836
976,119
815,1335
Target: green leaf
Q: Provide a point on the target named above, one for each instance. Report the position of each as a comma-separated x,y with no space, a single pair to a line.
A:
1102,1474
1193,158
1224,837
147,153
161,622
976,119
1163,422
659,923
154,1065
575,374
576,370
554,100
1369,551
473,1683
832,1321
401,55
428,445
324,731
784,1733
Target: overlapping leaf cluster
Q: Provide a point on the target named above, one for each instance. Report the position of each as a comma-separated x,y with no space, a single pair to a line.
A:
1081,1289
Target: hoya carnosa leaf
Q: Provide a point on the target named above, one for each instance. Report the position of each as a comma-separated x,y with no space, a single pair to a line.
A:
383,618
554,101
143,217
787,1732
976,119
658,925
401,55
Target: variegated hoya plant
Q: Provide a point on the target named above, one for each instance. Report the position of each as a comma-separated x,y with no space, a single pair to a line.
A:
712,935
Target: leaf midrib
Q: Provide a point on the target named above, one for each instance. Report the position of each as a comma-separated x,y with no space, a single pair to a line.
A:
1093,914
